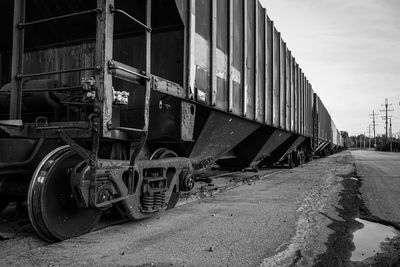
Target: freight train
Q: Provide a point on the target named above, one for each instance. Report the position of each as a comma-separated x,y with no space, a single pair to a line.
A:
116,104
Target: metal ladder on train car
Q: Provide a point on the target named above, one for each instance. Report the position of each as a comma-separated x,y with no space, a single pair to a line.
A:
104,69
121,71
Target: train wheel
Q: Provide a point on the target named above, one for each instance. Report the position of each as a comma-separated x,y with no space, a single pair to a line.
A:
291,161
51,206
163,153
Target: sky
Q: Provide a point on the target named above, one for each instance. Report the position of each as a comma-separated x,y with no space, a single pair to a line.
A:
350,52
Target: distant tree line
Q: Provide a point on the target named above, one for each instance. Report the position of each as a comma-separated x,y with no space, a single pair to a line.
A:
381,143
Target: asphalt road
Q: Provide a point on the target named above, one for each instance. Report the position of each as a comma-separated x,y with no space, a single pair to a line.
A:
380,189
282,219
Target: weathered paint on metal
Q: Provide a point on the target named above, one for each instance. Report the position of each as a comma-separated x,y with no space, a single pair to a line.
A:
191,47
230,56
292,94
245,60
17,64
269,71
261,63
213,51
104,50
288,91
276,78
188,116
257,36
282,82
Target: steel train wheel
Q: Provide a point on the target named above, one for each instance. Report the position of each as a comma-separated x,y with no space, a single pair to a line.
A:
51,206
164,153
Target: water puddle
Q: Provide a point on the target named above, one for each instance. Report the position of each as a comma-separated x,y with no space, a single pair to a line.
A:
368,239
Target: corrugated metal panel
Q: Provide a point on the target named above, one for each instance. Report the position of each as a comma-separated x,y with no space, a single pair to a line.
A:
250,42
282,102
270,74
304,104
307,109
292,94
311,111
202,51
301,105
261,64
288,91
222,53
334,133
237,62
325,127
320,118
297,82
276,78
310,108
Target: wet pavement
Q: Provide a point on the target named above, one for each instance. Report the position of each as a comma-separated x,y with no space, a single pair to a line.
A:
377,243
380,189
369,239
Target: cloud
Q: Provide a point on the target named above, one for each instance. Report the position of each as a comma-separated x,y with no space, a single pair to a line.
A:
350,52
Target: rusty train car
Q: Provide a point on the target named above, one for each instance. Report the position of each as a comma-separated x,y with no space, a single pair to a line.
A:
117,104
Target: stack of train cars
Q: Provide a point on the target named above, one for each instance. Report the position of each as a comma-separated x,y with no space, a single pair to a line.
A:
110,104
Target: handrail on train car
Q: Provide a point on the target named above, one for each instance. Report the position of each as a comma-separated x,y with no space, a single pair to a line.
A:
115,10
115,65
96,10
34,75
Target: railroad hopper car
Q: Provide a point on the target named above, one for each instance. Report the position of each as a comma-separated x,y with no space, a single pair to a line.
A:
327,138
112,104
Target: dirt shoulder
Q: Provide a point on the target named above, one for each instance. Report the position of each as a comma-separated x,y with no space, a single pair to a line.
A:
283,218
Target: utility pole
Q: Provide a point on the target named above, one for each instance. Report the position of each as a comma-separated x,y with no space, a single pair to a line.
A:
390,132
364,140
374,115
369,137
386,118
